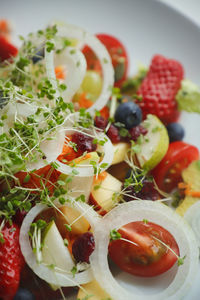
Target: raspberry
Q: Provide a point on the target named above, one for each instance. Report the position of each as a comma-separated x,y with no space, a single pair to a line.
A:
84,142
135,132
113,134
159,88
83,247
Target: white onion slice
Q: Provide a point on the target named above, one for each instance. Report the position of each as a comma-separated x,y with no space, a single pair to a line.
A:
74,62
88,170
74,32
51,148
45,273
50,68
157,213
192,216
15,112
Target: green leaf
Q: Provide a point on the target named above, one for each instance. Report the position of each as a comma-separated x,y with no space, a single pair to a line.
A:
114,235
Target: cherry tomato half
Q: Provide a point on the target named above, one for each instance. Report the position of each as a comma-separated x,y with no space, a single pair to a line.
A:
167,173
142,253
118,55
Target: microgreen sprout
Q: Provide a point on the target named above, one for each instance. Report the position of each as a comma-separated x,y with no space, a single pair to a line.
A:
35,234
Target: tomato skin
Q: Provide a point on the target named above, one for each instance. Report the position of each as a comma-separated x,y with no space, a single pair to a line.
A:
149,257
118,55
167,173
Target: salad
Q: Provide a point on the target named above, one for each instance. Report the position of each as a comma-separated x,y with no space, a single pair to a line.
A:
95,178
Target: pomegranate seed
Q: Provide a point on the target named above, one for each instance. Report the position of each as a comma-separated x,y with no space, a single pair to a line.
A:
145,189
100,122
113,134
19,216
135,132
83,247
84,142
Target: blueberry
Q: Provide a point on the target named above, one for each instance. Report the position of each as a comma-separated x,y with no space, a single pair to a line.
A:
38,56
24,294
175,131
128,113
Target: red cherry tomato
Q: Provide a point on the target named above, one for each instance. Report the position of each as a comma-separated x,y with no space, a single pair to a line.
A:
148,257
118,55
167,173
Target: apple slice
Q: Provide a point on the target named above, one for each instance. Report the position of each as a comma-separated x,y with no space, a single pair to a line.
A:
93,291
120,151
85,159
104,193
54,252
80,225
81,185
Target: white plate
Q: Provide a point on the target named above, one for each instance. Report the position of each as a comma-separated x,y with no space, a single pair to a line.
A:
146,27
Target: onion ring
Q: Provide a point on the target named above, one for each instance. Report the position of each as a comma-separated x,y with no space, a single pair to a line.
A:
74,32
157,213
192,216
45,273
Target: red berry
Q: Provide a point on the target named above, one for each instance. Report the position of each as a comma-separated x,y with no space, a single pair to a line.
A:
113,134
19,216
7,50
83,247
159,88
135,132
100,122
147,192
83,142
11,262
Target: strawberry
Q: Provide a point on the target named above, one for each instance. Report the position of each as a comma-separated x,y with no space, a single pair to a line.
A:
11,261
159,88
7,50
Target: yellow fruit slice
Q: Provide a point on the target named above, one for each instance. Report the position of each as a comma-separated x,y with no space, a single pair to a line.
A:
120,151
185,204
93,290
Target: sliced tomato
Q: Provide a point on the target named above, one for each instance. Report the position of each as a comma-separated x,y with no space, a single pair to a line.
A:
167,173
142,253
92,61
118,55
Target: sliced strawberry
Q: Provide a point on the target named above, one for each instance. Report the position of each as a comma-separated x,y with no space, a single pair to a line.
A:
11,261
7,50
159,88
